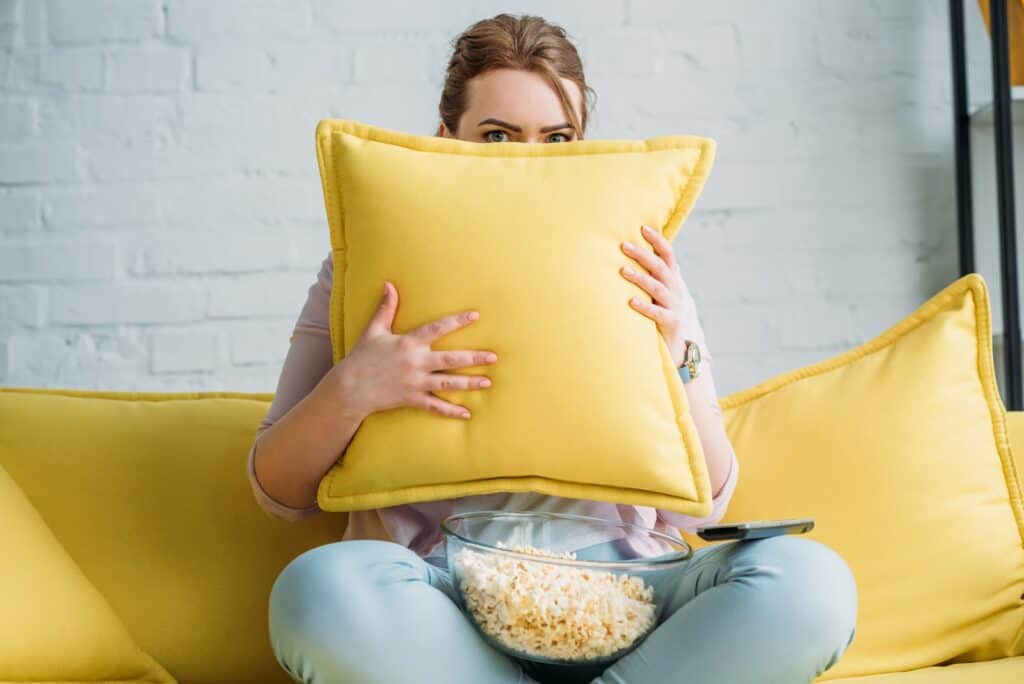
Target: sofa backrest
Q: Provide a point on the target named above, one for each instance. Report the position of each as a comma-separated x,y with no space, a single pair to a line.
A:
148,492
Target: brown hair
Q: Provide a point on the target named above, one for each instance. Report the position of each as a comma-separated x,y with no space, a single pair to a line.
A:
522,42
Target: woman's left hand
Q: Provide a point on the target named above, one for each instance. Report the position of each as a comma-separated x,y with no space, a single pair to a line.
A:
673,309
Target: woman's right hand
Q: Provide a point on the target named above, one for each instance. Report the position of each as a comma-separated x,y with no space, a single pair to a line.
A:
387,371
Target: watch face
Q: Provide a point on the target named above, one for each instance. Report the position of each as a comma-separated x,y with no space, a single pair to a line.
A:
692,351
692,362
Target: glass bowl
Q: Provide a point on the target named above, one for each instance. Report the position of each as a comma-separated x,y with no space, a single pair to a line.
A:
588,593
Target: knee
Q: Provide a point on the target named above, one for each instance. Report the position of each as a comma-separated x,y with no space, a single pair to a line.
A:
814,584
319,586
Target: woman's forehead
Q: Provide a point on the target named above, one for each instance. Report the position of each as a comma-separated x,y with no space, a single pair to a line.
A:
521,97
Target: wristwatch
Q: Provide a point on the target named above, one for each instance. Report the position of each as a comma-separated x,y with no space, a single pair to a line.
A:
691,362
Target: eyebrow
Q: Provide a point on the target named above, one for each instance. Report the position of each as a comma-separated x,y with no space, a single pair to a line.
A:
505,124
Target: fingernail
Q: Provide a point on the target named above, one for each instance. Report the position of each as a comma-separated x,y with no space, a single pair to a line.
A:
627,271
629,245
647,229
473,315
465,414
485,383
492,357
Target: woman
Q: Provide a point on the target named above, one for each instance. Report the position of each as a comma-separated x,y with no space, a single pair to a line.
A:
379,606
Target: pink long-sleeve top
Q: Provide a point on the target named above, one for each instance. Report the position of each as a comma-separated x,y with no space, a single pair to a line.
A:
416,525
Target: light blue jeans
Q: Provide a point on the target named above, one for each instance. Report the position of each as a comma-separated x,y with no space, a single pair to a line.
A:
778,610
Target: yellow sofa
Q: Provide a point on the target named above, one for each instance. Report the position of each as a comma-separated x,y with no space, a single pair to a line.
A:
170,535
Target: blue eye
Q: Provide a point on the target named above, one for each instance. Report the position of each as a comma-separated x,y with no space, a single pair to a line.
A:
564,136
490,139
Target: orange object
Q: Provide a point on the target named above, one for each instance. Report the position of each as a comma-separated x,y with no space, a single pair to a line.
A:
1015,25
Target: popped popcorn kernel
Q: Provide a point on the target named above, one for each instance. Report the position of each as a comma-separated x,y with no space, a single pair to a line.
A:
554,611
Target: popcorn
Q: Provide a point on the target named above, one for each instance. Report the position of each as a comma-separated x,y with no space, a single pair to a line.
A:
550,610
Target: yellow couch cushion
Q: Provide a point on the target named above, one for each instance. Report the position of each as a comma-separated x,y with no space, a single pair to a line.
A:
1015,428
1001,671
54,625
148,493
898,449
586,402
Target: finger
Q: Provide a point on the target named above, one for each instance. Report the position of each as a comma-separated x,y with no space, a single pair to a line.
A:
648,259
449,382
428,332
441,407
651,285
384,317
661,245
445,360
658,313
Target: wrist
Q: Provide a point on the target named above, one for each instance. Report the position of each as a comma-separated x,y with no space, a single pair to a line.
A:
341,390
691,367
705,355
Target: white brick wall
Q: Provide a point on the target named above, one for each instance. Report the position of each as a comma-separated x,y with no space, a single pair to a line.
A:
161,216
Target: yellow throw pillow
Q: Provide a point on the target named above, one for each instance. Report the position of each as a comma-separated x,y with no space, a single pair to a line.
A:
54,625
586,401
898,449
148,492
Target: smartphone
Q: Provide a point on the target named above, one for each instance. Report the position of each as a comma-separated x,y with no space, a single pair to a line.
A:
756,529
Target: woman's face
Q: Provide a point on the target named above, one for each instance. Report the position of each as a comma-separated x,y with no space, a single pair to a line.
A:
512,105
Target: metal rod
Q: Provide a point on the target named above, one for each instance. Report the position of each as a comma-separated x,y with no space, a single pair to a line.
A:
962,139
1004,182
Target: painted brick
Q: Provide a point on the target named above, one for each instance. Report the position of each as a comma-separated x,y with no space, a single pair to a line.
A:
176,351
75,21
126,302
161,215
37,161
55,260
